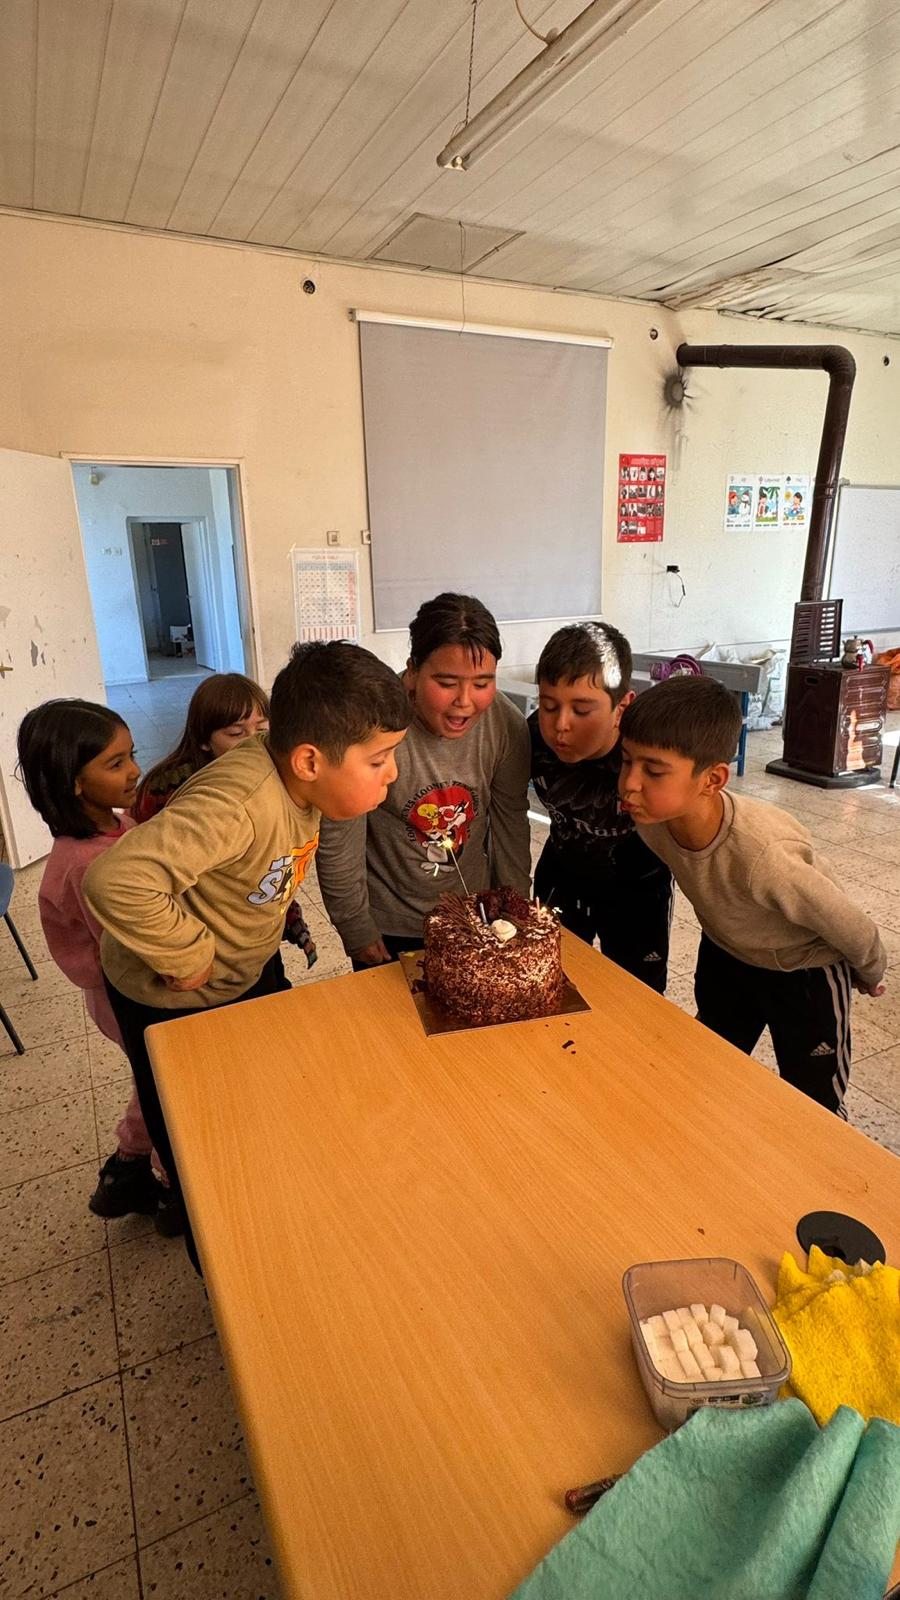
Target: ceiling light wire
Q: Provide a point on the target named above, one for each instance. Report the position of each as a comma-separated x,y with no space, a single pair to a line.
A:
545,38
471,62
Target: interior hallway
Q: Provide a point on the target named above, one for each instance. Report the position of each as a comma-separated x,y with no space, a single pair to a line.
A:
155,711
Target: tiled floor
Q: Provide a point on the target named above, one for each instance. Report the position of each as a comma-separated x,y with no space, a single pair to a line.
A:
155,711
123,1469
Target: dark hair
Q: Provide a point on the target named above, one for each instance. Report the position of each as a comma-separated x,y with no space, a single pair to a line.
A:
592,650
55,742
696,717
453,619
218,701
334,695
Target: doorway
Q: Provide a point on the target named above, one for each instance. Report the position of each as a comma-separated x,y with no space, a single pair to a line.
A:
172,572
167,573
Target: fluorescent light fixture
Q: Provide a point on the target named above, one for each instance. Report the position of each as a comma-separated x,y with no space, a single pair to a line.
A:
577,47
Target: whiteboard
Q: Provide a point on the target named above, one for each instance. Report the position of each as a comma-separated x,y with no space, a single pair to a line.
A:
865,563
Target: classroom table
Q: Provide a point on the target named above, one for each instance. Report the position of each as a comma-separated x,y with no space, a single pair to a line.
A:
414,1246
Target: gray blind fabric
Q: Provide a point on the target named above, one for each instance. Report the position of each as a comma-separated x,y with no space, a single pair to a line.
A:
484,461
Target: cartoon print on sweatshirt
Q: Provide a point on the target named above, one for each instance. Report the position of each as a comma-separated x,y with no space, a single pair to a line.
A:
437,822
285,874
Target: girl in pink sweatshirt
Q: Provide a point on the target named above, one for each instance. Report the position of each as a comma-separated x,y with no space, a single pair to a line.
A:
78,766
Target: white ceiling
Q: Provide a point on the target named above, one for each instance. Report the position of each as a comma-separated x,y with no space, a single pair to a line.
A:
742,153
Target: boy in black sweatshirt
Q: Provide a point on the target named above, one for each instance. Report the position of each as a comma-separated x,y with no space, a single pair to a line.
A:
605,881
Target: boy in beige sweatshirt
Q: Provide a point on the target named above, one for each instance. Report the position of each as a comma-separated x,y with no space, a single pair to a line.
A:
193,903
782,944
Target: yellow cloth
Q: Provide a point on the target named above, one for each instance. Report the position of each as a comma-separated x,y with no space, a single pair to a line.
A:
843,1335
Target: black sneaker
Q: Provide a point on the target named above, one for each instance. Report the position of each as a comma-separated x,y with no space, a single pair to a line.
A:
169,1219
125,1186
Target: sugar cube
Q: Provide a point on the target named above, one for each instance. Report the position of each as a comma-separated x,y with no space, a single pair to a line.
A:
699,1315
679,1340
672,1320
693,1334
717,1315
657,1326
704,1356
689,1366
744,1343
730,1324
712,1334
728,1361
749,1369
684,1315
672,1370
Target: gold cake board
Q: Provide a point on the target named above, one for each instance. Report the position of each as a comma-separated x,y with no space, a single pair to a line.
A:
435,1018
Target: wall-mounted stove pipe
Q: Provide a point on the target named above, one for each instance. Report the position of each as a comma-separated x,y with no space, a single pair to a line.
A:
841,369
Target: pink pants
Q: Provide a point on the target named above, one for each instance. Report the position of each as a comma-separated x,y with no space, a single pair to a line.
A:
132,1137
131,1131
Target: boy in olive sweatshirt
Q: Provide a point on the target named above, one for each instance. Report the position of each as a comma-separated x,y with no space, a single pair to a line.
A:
193,903
782,945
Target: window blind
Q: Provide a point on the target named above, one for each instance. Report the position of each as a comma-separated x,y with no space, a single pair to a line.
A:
484,464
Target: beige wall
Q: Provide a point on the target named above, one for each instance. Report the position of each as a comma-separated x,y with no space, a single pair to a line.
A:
124,345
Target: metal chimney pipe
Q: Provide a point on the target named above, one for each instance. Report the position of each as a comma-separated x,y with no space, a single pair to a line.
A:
841,369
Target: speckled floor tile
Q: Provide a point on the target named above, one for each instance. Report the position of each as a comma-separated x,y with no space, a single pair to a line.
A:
684,942
867,1034
42,1021
56,1333
108,1062
43,1074
19,986
47,1138
880,1122
332,958
224,1557
11,963
680,992
46,1221
764,1051
891,942
879,1076
66,1499
118,1582
160,1301
184,1439
884,1011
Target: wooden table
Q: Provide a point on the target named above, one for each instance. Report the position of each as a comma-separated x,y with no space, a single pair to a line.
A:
413,1247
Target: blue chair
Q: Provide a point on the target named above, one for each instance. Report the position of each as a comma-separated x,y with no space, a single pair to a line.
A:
7,884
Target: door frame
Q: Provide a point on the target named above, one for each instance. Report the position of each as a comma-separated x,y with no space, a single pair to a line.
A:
246,587
132,526
134,523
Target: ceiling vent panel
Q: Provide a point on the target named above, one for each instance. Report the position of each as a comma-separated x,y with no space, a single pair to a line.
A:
442,244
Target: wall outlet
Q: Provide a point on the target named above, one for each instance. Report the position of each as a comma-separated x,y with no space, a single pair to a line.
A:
332,536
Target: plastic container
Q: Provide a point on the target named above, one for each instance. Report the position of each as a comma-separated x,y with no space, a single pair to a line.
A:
652,1287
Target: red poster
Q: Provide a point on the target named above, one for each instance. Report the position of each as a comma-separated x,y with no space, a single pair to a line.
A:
642,499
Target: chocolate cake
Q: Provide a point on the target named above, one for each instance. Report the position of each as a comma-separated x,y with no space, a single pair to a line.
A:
492,957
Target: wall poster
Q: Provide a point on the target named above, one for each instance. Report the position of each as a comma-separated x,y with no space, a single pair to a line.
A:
641,507
755,501
326,594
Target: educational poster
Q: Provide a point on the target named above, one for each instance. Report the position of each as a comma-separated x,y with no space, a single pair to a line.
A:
740,502
768,503
796,497
755,501
326,594
642,499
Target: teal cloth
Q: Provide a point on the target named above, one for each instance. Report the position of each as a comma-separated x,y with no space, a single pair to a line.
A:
742,1505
